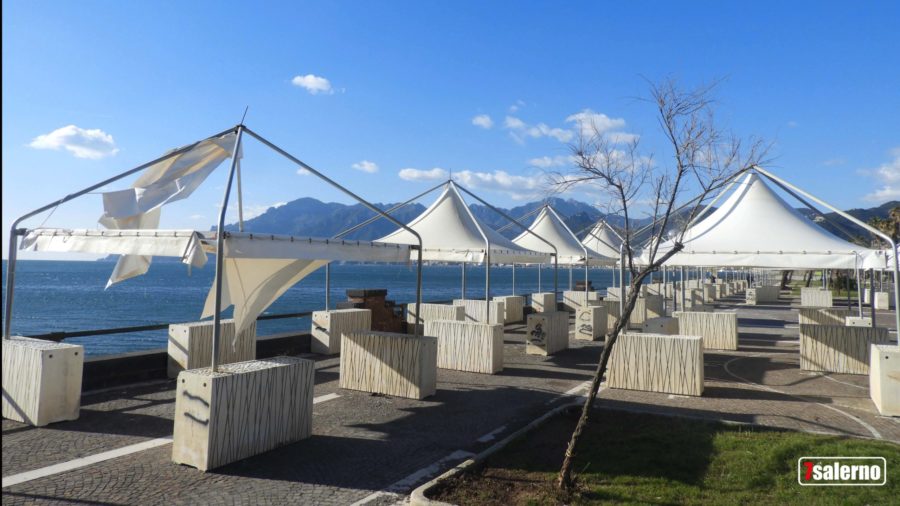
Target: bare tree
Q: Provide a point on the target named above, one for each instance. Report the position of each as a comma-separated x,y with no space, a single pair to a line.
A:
701,158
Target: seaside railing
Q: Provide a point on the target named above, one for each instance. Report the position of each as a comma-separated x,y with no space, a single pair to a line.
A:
61,335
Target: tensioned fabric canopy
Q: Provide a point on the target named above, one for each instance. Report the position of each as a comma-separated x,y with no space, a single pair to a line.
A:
550,226
755,227
451,233
258,268
603,240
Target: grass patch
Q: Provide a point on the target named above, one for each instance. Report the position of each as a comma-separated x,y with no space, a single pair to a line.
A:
649,459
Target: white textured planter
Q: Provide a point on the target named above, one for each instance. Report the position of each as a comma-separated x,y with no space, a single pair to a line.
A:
435,312
837,348
709,293
884,378
638,314
475,310
814,316
190,345
41,380
762,294
815,297
548,333
718,330
657,363
882,300
654,305
242,410
661,325
515,307
467,346
858,321
575,300
387,363
543,302
612,314
590,323
329,326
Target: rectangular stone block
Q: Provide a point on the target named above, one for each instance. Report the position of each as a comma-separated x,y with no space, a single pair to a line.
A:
190,345
718,330
882,300
654,305
543,302
709,293
762,294
815,297
858,321
244,409
884,378
392,364
837,348
661,325
475,310
638,314
657,363
467,346
435,312
612,314
816,316
548,333
328,326
591,323
574,300
41,380
515,307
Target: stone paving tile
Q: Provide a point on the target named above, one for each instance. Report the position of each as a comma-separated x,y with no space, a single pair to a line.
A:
363,443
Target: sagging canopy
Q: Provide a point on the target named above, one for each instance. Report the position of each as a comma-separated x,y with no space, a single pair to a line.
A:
548,225
604,240
258,268
451,233
164,182
756,228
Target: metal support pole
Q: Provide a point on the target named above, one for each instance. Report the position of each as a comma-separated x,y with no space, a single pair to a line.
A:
240,196
859,291
683,302
872,297
220,252
328,286
487,288
463,281
10,276
622,279
514,278
539,277
570,277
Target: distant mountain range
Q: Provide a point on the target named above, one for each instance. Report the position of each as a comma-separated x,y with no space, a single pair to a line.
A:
311,217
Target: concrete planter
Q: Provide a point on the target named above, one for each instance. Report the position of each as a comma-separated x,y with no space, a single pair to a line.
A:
815,297
515,308
591,323
657,363
190,345
467,346
661,325
41,380
435,312
543,302
386,363
814,316
884,378
718,330
575,300
329,326
242,410
836,348
476,310
548,333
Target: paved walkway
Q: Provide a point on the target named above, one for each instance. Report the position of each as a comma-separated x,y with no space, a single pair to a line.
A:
375,449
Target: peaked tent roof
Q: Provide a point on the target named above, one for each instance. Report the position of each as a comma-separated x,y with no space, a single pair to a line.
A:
603,240
756,228
552,228
451,233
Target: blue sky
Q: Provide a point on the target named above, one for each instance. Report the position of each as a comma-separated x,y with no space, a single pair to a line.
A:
110,85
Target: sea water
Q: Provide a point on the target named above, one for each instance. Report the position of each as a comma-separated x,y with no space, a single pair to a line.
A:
53,296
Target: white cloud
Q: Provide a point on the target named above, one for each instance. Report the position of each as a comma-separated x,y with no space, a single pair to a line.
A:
517,187
514,123
313,84
522,129
888,174
831,162
483,121
254,210
435,174
515,107
589,122
366,166
303,172
546,162
91,144
621,137
198,217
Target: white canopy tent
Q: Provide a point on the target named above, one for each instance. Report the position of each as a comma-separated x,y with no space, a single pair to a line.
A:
603,239
549,225
259,267
755,227
451,233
